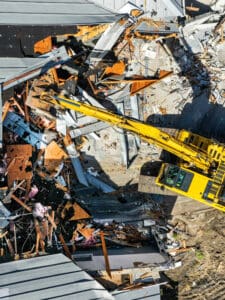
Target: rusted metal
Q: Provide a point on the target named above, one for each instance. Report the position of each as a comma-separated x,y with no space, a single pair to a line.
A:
10,246
105,253
7,198
55,76
137,86
52,215
8,242
61,238
39,237
153,36
24,205
192,8
87,33
37,242
116,69
43,46
138,83
8,105
65,247
19,163
79,212
83,32
85,231
53,157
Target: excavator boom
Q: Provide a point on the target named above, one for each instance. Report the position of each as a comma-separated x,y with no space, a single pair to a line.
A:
200,172
147,132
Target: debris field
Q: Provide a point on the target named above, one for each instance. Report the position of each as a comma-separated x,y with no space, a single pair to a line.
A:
75,184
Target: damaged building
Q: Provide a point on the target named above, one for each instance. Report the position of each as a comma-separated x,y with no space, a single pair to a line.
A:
104,143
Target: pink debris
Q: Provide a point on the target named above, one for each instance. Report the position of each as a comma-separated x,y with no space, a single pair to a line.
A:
33,192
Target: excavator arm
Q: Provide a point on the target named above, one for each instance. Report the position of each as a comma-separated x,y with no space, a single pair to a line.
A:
147,132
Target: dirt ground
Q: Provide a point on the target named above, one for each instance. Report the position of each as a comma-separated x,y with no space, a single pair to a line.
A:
202,274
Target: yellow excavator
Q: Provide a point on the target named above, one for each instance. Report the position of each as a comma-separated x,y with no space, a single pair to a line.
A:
198,174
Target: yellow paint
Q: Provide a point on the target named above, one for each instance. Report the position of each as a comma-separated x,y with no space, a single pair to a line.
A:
196,188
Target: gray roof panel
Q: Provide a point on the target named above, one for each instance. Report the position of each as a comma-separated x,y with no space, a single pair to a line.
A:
53,12
48,277
151,292
160,9
21,69
12,66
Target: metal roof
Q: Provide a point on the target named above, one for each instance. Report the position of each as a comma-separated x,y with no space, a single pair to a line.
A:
53,12
147,292
48,277
13,66
156,8
14,70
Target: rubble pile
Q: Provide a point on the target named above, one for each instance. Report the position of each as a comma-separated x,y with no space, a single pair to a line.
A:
59,183
48,173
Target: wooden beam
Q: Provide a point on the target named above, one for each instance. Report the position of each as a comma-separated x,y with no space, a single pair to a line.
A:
105,253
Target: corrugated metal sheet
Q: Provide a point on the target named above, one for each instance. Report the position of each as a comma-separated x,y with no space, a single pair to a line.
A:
147,292
13,66
156,8
15,70
164,28
117,4
53,12
48,277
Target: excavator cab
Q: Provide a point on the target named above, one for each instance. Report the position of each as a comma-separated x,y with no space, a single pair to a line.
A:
176,177
189,183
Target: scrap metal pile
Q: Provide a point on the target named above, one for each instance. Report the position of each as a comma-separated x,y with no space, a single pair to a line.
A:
44,171
42,165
